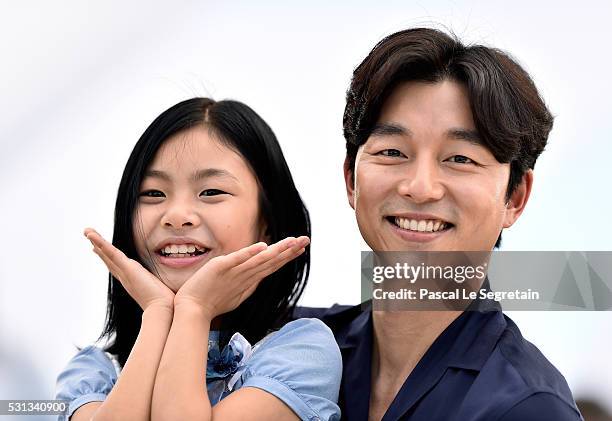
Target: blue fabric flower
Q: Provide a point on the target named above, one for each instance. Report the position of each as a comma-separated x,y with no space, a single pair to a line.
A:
223,367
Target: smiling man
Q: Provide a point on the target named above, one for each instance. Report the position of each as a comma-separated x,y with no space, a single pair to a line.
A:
441,142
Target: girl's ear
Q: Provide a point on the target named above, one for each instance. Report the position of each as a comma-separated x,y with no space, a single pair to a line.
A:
264,234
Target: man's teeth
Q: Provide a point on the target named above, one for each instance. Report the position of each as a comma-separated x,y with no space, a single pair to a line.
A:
423,225
182,248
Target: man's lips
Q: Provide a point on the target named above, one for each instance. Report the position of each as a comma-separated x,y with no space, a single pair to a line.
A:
427,231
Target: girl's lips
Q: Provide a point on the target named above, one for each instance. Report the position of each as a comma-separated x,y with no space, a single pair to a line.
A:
414,236
181,262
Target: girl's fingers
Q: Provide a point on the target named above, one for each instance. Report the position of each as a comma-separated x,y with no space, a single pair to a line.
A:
115,260
112,268
283,253
257,273
253,279
239,257
279,261
111,252
271,253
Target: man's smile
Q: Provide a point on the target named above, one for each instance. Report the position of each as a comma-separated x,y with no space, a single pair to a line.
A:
418,227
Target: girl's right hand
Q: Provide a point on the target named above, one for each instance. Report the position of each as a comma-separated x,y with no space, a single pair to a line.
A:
144,287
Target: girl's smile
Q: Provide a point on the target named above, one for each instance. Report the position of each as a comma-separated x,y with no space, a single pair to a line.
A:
179,252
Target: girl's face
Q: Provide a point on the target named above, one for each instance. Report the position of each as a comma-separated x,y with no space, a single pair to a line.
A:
198,199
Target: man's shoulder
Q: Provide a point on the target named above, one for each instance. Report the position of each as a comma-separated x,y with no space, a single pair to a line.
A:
519,372
528,361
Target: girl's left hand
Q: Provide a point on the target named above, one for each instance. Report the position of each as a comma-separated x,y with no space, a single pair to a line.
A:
225,282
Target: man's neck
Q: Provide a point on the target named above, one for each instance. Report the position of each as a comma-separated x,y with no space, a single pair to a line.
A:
400,340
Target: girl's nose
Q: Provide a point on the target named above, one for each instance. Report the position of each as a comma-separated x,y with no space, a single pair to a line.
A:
178,217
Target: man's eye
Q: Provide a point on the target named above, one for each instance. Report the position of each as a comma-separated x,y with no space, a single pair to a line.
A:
460,159
390,152
151,193
212,192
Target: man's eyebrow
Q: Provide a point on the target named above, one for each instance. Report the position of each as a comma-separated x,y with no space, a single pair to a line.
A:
389,129
471,136
195,177
456,133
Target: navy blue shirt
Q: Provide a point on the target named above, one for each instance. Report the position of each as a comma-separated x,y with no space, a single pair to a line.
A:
479,368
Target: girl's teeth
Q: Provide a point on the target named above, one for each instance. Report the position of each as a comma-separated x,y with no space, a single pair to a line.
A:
181,249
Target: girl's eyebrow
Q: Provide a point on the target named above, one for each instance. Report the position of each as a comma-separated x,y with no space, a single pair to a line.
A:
195,177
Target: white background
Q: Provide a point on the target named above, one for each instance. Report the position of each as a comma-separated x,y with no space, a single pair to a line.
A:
80,83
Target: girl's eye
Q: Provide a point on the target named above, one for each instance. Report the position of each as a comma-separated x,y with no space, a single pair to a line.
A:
460,159
212,192
151,193
390,152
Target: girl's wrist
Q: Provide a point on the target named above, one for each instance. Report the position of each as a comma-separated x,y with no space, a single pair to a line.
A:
160,310
191,307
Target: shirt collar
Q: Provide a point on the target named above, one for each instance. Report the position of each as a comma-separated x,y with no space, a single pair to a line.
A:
466,344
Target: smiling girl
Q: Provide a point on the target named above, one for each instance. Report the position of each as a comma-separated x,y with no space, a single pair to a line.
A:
209,256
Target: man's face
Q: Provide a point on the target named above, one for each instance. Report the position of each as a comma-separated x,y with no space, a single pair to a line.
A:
422,180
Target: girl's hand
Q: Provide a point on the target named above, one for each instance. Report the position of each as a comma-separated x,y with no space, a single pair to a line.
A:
144,287
226,281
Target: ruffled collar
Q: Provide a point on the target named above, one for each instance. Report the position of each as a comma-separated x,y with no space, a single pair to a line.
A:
225,363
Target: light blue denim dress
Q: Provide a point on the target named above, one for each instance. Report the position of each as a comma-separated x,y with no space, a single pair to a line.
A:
300,364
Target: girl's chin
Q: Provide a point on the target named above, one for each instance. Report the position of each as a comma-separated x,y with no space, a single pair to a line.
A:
174,284
175,279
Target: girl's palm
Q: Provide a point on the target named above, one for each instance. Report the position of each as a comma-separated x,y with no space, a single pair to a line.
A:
144,287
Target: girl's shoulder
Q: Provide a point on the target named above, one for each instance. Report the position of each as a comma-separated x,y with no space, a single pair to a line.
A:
300,364
298,334
93,357
89,376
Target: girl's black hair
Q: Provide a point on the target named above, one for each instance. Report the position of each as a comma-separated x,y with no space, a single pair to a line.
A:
281,208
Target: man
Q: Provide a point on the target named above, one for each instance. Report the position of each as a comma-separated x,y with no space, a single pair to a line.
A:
441,142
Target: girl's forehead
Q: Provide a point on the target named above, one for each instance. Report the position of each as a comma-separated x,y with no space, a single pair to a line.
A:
195,147
193,150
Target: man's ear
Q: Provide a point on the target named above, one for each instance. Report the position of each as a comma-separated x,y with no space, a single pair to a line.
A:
518,199
349,183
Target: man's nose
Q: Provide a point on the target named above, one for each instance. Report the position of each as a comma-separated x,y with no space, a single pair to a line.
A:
180,214
421,182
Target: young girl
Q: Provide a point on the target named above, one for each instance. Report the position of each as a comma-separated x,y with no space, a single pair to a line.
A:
193,282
